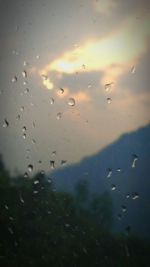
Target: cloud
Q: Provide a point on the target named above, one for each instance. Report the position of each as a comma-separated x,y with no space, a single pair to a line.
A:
112,55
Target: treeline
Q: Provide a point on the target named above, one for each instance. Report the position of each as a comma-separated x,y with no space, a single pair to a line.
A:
42,227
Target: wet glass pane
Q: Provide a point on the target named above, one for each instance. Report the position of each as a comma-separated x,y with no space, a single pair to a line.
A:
74,133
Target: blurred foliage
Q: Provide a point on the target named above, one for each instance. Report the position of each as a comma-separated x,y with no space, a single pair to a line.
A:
42,227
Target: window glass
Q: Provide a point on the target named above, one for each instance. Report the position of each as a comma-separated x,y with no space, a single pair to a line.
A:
74,133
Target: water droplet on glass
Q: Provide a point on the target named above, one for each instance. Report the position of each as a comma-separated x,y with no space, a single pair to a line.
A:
109,173
109,100
59,115
18,117
52,164
135,196
71,102
127,196
60,91
24,129
89,85
44,77
21,199
24,136
25,175
42,172
24,74
22,109
133,69
63,162
25,63
108,87
5,124
119,216
51,100
113,187
36,182
54,153
135,158
37,57
30,167
35,192
33,141
10,230
124,209
26,90
14,79
118,170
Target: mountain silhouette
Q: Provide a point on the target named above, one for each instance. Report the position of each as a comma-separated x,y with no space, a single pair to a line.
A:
123,169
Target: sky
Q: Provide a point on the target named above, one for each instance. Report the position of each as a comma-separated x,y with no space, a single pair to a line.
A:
74,76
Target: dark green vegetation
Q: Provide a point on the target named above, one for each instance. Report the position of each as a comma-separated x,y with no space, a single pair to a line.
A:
42,227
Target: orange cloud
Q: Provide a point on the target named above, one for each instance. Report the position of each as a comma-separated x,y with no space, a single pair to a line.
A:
112,55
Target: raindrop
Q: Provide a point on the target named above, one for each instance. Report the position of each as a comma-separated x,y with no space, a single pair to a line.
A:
52,164
21,199
44,77
35,192
24,136
133,69
113,187
89,85
60,91
108,87
118,170
22,109
127,196
25,175
33,124
26,90
24,82
135,196
59,115
18,117
109,100
24,74
14,79
30,167
109,173
51,100
10,230
124,209
24,129
83,66
54,153
37,57
33,141
40,161
71,102
63,162
5,124
135,158
42,172
6,207
36,182
119,216
25,63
